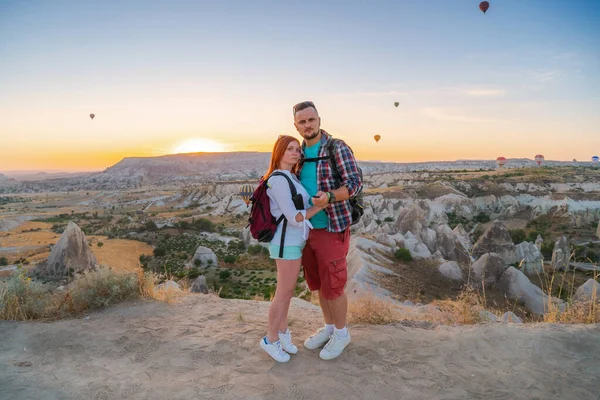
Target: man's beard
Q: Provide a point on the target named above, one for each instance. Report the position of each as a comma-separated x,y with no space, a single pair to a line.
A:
314,135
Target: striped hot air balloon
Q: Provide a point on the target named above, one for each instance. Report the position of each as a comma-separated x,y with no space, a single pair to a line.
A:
483,6
539,159
246,191
500,161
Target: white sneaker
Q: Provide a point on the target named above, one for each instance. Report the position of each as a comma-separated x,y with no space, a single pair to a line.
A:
274,350
286,342
317,340
334,347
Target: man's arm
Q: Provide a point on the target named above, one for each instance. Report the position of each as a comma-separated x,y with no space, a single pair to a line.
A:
348,168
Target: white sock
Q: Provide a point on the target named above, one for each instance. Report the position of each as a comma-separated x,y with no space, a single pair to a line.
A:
329,328
341,332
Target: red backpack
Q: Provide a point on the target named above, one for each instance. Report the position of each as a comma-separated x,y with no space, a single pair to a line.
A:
262,223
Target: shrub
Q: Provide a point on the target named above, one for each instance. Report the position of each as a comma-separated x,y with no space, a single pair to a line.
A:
517,235
403,254
230,259
371,310
3,261
150,226
100,244
547,249
224,275
204,224
255,249
159,252
388,219
482,217
24,299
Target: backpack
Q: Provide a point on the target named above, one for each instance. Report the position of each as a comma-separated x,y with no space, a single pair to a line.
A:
357,202
261,222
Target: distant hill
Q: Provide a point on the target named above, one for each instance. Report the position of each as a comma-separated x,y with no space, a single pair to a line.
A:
210,166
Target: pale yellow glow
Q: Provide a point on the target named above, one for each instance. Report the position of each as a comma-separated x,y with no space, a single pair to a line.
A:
199,145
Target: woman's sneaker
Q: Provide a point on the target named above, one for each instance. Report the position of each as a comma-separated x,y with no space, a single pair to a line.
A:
317,340
274,350
286,342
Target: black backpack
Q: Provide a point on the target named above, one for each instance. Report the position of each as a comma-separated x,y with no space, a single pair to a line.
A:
261,222
357,202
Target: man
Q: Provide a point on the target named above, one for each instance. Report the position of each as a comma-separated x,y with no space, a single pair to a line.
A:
324,255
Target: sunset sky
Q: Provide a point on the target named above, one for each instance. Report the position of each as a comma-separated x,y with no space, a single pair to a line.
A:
174,76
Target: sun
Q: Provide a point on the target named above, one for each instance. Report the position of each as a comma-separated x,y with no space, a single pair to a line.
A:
199,145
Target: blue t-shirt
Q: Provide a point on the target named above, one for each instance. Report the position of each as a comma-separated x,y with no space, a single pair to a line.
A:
308,178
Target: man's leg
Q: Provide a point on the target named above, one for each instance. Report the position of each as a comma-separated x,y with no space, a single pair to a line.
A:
328,315
338,309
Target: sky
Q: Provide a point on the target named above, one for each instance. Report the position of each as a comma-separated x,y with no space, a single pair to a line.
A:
173,76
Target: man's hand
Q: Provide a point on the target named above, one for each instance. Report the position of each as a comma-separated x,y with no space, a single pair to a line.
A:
321,199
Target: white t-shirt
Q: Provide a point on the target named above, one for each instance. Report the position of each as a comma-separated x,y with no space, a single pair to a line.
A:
280,196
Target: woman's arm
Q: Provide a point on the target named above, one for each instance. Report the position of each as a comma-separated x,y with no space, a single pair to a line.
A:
280,193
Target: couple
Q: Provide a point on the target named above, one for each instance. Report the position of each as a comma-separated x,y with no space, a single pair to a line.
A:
316,237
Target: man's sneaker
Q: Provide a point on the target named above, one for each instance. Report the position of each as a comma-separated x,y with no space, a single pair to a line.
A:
334,347
317,340
274,350
286,342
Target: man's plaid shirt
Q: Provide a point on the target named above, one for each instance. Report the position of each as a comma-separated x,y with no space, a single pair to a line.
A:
340,212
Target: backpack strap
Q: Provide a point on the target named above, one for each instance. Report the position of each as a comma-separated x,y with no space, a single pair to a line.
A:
294,192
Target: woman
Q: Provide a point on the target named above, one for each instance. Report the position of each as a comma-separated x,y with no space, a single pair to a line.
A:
285,157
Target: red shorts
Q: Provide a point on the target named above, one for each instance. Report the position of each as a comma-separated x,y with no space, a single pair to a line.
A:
324,262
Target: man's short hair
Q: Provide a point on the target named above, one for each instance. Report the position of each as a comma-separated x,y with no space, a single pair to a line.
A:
304,105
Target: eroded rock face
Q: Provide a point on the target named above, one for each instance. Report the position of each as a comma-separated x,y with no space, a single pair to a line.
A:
205,256
450,245
530,258
561,254
71,253
488,269
414,220
517,286
451,270
589,291
496,239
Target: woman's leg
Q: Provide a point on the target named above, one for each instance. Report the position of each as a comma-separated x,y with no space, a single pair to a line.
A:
287,277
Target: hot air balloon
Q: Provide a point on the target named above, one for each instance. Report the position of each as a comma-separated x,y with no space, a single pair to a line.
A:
246,191
500,161
92,116
483,6
595,159
377,137
396,104
539,159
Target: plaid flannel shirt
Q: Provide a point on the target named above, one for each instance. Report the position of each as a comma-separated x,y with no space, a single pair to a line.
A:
340,212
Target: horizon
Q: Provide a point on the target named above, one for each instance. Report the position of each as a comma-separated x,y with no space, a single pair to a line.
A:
63,171
519,80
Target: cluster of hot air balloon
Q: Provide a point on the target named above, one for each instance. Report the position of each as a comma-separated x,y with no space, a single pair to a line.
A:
539,160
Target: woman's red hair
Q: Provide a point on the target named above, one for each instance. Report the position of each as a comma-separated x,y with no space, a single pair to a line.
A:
279,149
